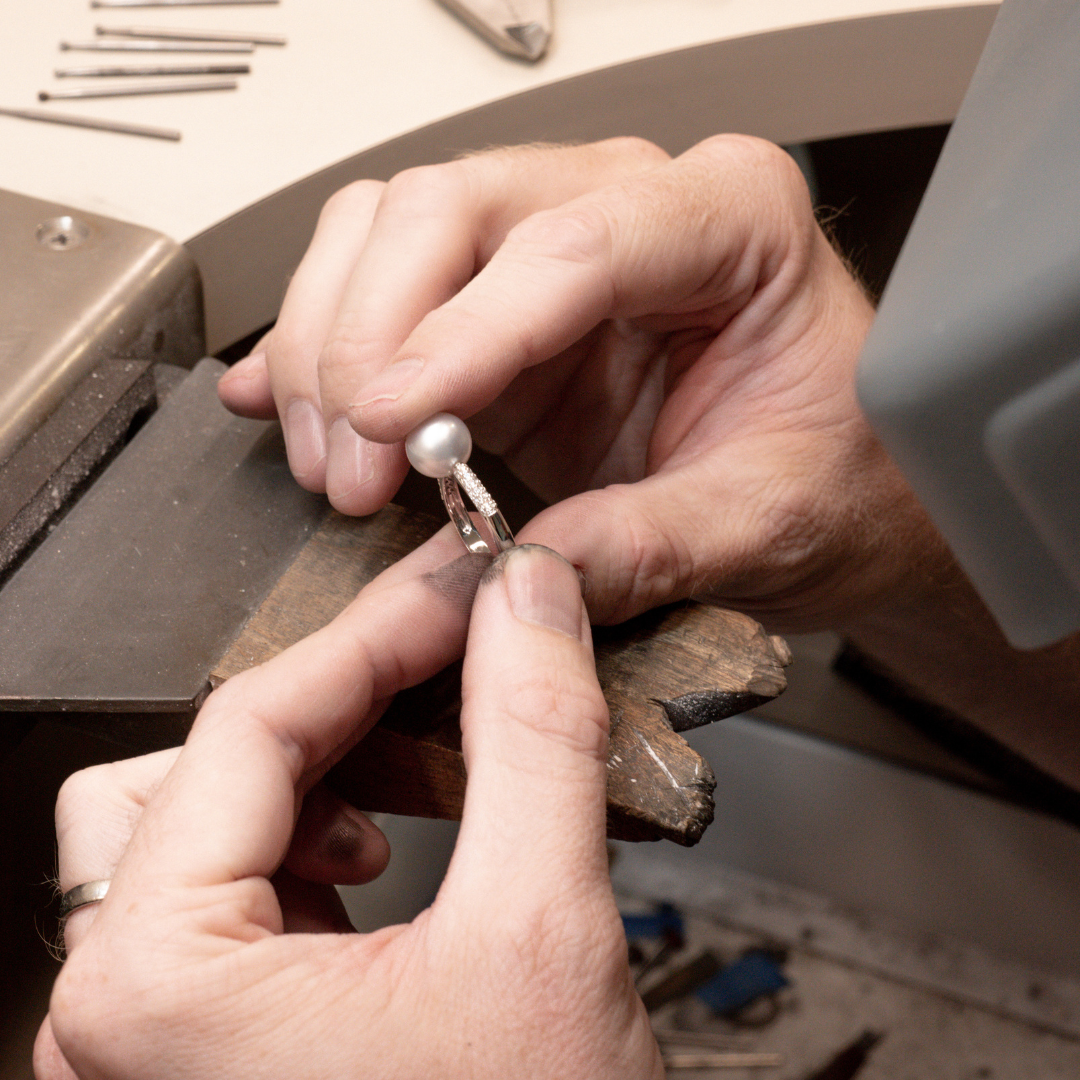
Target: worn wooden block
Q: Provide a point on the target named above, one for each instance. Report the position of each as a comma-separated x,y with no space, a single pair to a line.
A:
664,672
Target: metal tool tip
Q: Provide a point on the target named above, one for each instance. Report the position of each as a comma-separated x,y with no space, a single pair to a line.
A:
42,96
532,37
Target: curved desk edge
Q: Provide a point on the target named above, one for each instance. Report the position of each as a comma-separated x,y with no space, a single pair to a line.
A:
838,78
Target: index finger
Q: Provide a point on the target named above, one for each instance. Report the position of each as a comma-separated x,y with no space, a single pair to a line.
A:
696,241
227,808
434,228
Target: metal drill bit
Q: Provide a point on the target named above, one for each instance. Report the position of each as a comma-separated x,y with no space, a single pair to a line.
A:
155,47
178,3
138,89
117,126
149,70
159,34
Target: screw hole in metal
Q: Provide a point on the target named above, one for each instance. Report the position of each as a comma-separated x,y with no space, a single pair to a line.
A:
62,233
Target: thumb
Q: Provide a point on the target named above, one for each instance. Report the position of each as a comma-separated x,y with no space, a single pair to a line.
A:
534,732
648,543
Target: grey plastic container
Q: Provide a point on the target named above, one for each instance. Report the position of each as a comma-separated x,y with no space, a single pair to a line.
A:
971,373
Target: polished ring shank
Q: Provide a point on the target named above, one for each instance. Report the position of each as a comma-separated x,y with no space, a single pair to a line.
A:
499,537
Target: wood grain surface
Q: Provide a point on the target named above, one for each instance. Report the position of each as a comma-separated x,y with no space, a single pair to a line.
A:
667,671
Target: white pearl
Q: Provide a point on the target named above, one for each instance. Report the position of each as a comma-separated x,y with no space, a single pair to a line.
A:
438,444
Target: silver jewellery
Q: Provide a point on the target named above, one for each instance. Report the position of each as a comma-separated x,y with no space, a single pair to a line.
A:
439,448
89,892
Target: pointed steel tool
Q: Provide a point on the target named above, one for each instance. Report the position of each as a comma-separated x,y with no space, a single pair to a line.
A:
520,28
223,37
121,71
192,86
131,46
118,127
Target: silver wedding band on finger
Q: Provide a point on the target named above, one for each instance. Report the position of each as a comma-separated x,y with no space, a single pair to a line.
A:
89,892
439,448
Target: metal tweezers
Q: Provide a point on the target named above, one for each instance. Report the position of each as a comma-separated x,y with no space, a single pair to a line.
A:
520,28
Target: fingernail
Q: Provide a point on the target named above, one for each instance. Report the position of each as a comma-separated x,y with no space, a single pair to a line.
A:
305,437
392,382
543,588
247,368
348,460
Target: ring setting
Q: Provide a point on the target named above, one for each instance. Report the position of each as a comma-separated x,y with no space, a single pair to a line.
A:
440,448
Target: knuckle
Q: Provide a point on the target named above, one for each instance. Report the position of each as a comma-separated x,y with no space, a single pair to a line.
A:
291,340
76,786
789,518
103,1006
643,151
656,565
782,532
560,706
748,150
83,1008
346,351
765,160
340,352
424,189
80,790
352,199
579,233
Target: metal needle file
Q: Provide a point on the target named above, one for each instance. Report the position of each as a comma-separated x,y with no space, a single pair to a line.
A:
138,89
155,47
148,70
116,126
158,34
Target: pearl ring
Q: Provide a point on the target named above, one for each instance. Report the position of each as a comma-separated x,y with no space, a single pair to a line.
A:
439,448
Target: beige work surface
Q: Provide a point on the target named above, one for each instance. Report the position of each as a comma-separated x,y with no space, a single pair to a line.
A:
366,87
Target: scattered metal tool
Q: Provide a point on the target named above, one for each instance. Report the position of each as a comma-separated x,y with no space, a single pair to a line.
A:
683,981
192,86
724,1059
701,1040
520,28
153,33
157,46
116,126
146,70
849,1062
177,3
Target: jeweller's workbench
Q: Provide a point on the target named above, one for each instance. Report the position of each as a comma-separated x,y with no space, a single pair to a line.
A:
167,232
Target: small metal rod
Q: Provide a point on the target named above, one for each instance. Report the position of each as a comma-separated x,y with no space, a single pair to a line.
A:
116,126
708,1040
723,1060
150,70
159,34
178,3
156,47
138,89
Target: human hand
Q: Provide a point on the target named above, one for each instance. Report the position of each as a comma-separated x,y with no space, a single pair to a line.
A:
663,349
517,970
